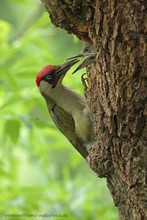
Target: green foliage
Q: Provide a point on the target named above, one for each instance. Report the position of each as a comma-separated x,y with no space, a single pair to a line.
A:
40,172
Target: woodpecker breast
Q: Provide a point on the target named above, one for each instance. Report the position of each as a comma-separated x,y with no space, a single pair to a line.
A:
74,104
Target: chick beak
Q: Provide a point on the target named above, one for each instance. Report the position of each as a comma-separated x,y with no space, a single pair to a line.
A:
79,55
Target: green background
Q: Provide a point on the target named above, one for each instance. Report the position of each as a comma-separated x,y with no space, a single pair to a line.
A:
41,174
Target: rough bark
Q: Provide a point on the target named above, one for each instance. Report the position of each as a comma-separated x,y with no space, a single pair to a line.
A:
117,93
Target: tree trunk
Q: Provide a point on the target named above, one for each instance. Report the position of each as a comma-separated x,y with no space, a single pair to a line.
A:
117,93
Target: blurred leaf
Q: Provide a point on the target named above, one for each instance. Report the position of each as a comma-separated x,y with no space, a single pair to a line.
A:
12,128
40,171
20,1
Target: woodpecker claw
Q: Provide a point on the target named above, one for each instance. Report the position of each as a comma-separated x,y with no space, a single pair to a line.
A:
85,83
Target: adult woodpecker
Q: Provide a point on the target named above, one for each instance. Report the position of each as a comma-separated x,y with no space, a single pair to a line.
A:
67,108
88,53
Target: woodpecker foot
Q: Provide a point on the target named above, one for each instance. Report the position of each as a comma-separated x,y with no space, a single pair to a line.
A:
85,83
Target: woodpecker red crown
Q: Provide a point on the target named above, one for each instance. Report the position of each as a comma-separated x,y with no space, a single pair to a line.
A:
46,70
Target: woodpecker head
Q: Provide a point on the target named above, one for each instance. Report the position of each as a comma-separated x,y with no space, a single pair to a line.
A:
53,75
86,52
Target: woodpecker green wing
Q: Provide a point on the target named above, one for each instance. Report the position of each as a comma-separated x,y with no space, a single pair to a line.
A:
66,125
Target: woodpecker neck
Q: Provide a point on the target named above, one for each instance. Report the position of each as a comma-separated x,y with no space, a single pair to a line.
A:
63,96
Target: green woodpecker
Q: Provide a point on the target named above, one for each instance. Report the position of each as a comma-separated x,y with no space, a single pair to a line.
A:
88,53
68,109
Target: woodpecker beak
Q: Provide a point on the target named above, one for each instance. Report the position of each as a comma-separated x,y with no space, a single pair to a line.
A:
62,69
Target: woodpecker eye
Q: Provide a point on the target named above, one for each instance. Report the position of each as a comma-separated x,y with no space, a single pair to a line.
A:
86,49
49,77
